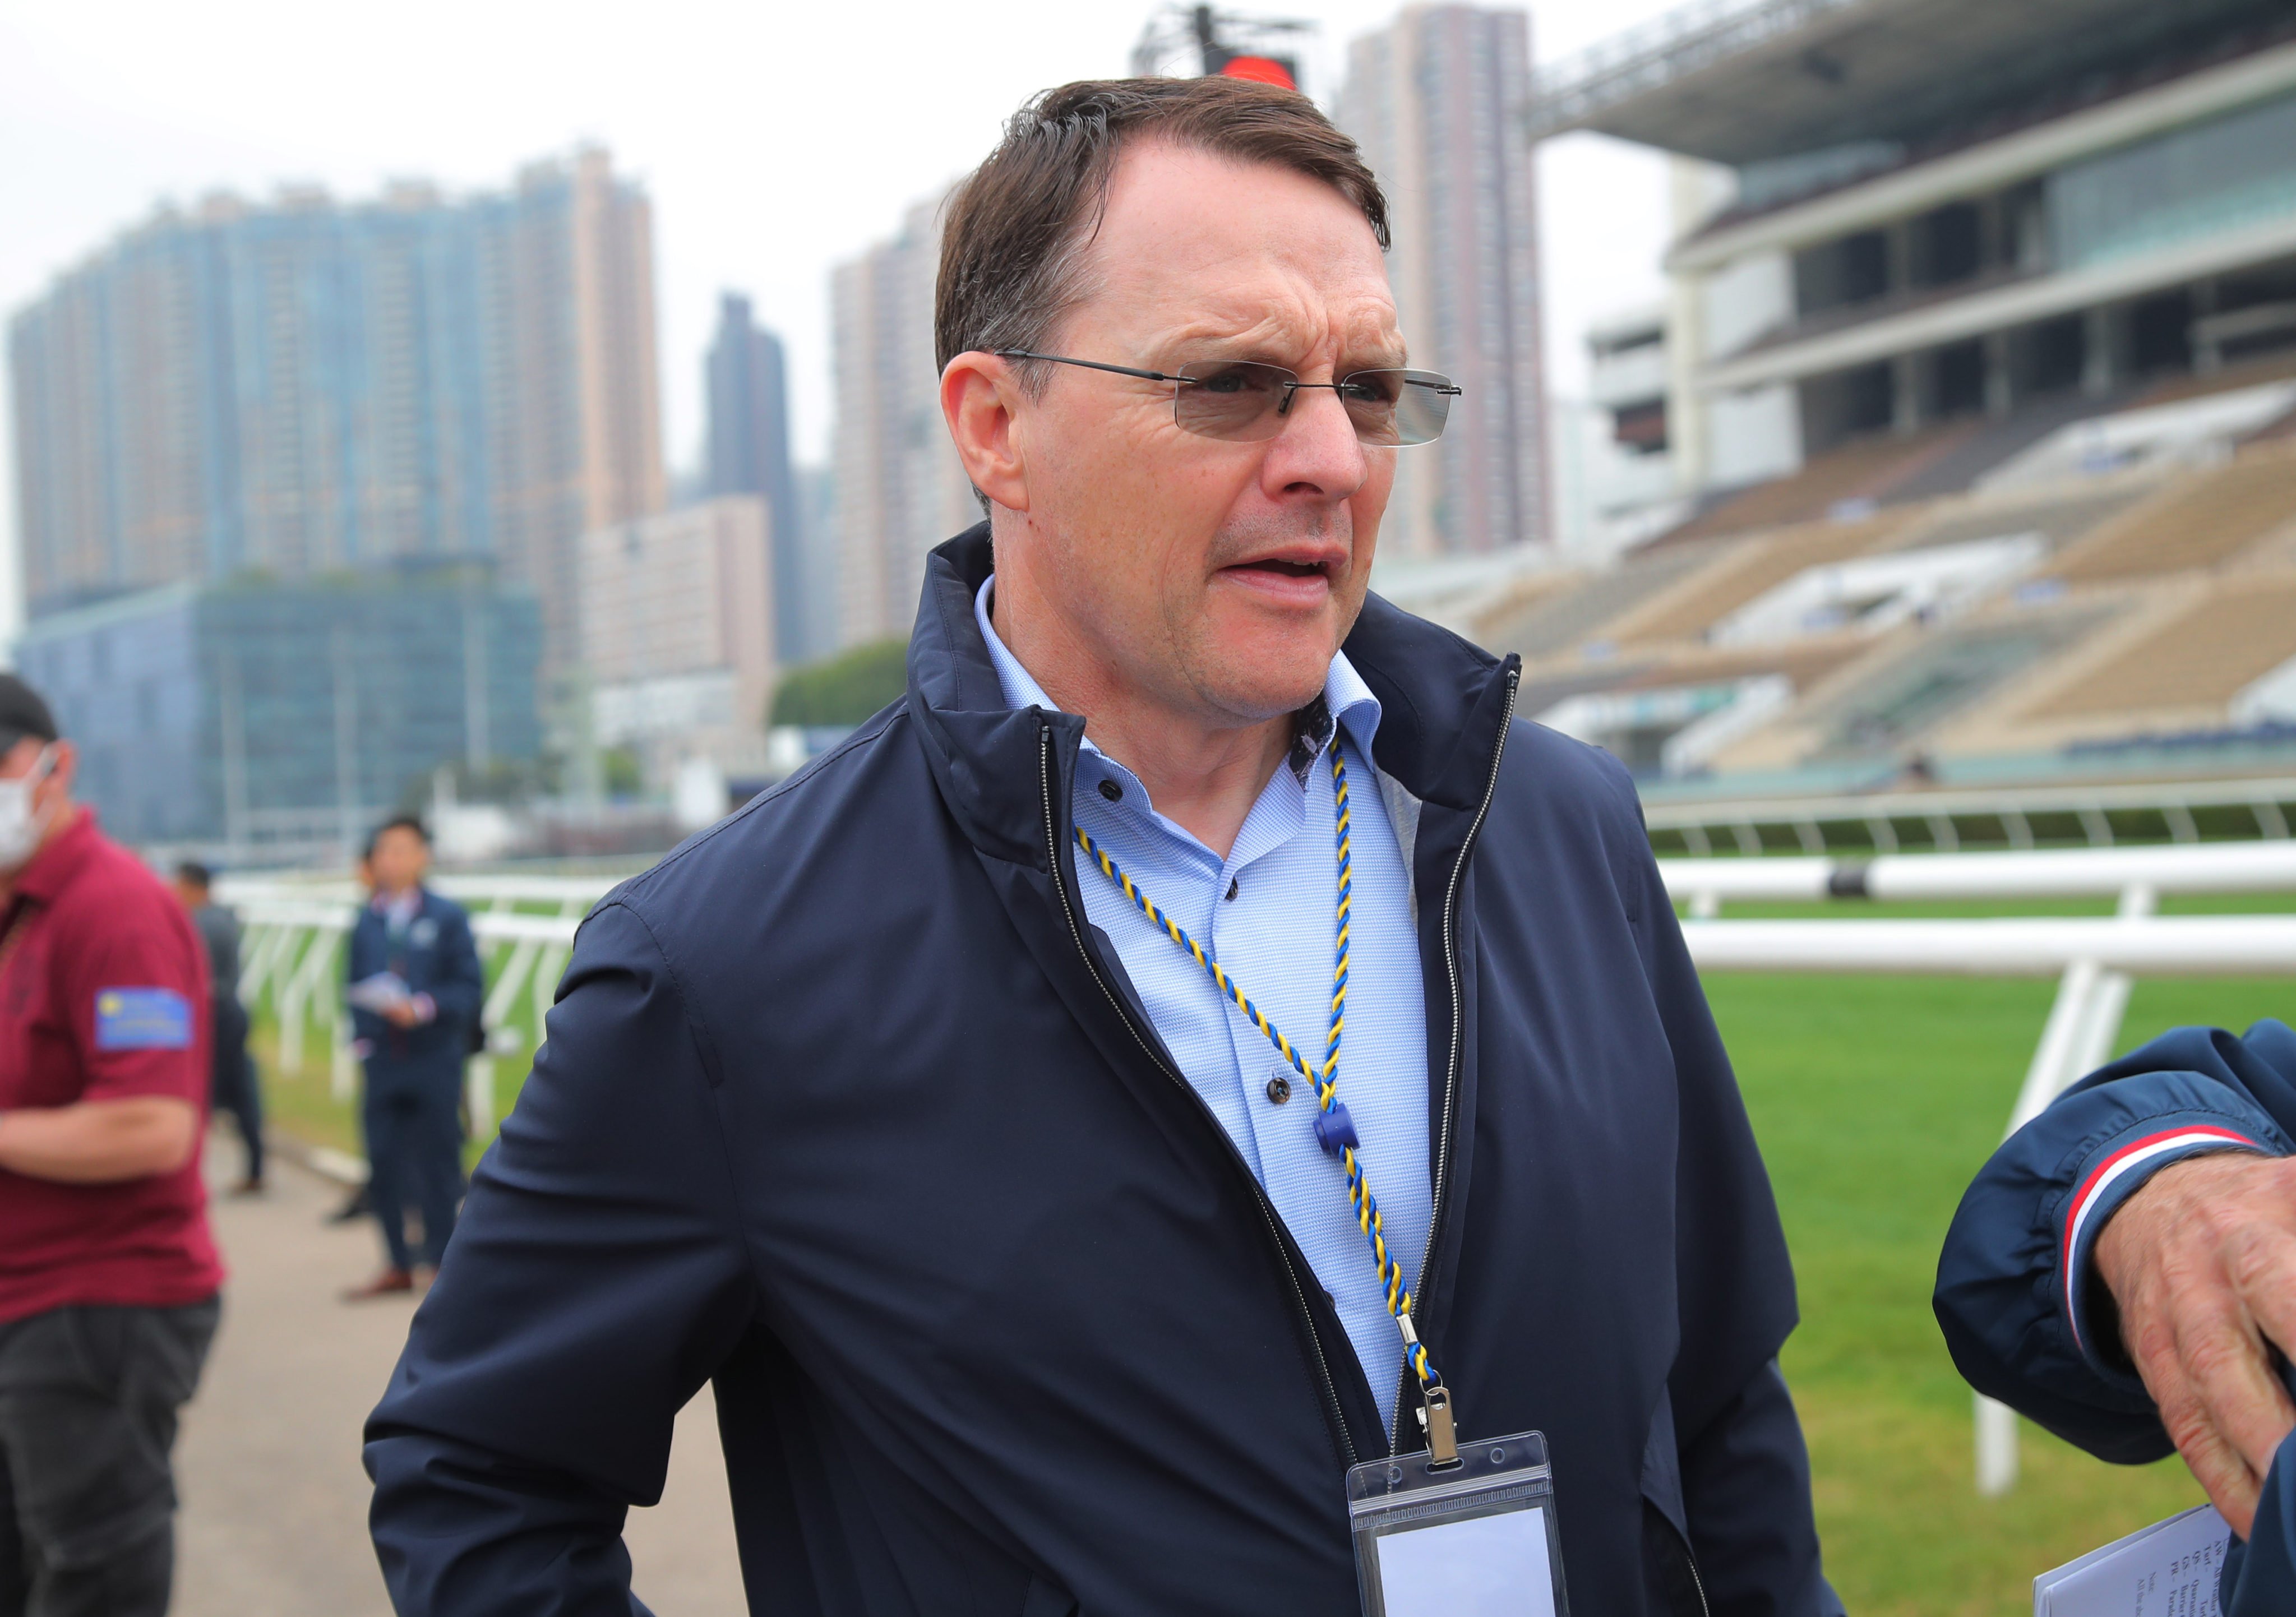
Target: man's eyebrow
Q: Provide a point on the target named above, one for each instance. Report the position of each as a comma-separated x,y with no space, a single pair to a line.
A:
1382,355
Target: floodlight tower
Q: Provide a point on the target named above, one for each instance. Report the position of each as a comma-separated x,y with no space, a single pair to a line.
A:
1231,44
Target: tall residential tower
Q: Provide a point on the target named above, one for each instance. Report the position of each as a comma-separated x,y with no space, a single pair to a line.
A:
749,454
900,489
1437,101
305,389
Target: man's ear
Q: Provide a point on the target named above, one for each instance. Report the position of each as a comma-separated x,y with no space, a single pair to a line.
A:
980,396
58,784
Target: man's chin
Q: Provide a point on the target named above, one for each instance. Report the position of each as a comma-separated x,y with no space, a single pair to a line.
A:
1255,695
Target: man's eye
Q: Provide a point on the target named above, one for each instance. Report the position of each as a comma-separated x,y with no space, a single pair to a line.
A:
1227,382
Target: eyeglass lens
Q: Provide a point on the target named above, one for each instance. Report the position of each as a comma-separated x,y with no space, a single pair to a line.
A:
1240,400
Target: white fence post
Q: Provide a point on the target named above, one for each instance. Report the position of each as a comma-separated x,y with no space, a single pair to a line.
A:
2077,1040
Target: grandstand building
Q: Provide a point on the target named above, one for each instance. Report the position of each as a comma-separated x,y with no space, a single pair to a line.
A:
1980,386
1945,210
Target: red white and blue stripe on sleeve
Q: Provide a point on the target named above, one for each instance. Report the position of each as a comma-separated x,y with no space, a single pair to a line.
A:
2113,1180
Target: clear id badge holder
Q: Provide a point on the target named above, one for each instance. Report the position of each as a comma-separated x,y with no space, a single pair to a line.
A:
1473,1539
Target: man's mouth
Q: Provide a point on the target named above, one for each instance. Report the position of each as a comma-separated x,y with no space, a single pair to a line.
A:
1284,568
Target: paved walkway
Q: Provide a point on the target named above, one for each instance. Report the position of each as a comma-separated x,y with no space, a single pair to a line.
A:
273,1522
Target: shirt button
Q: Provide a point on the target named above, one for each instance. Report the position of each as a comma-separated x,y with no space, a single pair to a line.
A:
1111,791
1279,1088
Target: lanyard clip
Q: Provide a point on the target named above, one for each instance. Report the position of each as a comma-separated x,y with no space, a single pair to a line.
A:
1442,1433
1435,1407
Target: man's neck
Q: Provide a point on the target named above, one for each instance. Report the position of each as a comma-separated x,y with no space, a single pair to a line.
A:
1202,775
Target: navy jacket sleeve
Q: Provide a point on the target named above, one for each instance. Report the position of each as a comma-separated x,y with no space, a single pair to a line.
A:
2014,1294
597,1278
363,958
2260,1577
459,988
1744,1467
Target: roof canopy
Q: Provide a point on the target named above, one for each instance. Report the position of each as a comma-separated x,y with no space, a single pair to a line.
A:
1742,82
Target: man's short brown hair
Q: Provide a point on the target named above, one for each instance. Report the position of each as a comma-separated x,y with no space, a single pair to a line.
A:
1014,243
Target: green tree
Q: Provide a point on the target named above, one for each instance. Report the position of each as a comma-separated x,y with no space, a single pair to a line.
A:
844,689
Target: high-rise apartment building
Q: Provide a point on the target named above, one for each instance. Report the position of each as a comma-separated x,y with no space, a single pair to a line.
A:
278,716
748,453
900,488
1437,101
304,387
677,634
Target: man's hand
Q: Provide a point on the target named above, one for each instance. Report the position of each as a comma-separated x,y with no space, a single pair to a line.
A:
404,1014
2202,1262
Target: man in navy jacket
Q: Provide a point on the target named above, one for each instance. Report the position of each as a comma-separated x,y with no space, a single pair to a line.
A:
2123,1269
868,1107
414,984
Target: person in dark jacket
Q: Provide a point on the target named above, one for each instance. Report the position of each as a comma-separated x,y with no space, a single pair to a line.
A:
2123,1271
236,1087
414,986
914,1108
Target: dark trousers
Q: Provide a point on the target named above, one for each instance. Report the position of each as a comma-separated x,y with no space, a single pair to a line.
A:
414,1155
88,1397
233,1088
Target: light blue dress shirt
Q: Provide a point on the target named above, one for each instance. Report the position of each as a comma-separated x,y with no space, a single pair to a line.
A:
1266,913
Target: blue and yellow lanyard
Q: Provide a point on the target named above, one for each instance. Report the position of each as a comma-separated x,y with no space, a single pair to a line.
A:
1334,1132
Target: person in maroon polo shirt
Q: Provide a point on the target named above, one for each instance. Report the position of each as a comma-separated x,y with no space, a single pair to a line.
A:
109,1277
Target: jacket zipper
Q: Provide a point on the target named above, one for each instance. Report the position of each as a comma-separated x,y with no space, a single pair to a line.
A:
1690,1558
1458,1029
1266,1209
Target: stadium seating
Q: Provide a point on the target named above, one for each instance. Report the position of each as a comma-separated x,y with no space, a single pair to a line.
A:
2238,631
1868,469
1565,620
1747,570
2200,520
2059,517
2167,588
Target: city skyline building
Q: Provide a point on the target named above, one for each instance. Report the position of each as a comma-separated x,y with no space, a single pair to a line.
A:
304,387
1436,101
284,715
677,634
900,489
747,387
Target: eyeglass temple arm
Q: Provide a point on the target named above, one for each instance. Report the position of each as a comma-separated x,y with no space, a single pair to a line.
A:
1291,388
1091,364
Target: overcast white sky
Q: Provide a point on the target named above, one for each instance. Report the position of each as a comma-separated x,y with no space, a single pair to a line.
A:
775,139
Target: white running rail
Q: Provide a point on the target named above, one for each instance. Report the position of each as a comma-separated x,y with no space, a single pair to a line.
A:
295,931
2096,960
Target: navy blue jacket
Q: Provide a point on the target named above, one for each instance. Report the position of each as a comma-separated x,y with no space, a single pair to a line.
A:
2017,1294
436,955
847,1109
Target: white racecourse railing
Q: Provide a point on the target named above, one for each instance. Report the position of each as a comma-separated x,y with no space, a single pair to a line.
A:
293,947
1945,818
2096,958
295,932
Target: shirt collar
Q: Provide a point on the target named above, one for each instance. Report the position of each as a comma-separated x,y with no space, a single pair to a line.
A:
51,870
1345,699
400,909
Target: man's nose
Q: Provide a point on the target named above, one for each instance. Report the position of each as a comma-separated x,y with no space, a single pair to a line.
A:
1317,452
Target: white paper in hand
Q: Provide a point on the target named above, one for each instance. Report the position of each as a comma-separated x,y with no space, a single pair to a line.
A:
2166,1570
382,993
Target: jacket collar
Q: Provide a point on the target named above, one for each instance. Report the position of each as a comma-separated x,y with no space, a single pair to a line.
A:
1441,700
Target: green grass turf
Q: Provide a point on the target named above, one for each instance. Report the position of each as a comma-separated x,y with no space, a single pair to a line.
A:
1875,1099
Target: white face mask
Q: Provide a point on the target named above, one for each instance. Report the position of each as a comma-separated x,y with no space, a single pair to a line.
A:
21,828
